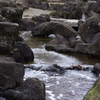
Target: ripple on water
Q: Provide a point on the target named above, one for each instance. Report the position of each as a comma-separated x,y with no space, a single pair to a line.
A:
44,57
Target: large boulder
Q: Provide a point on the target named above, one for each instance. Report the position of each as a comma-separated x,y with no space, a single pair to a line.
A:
9,29
40,19
94,46
96,69
6,82
89,28
31,89
93,8
94,92
22,53
70,10
81,47
13,70
59,43
27,24
73,10
74,42
11,13
52,27
8,33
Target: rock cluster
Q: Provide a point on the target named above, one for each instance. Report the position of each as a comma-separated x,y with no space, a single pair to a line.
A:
14,52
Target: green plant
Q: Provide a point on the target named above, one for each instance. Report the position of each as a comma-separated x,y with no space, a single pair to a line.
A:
15,49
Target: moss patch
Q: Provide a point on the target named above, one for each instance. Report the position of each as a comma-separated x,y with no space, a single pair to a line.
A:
94,93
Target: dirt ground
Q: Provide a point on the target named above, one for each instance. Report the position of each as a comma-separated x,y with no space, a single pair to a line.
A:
28,13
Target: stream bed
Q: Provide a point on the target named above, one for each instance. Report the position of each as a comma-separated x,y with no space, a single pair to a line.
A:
72,85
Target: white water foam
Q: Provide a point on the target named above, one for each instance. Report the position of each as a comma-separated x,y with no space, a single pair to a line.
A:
43,57
51,95
26,35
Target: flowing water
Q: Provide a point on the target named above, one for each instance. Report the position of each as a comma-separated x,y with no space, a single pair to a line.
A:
73,85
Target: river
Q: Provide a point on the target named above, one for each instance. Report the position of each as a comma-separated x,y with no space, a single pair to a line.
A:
73,85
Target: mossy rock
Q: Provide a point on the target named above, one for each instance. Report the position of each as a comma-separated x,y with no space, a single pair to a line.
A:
94,93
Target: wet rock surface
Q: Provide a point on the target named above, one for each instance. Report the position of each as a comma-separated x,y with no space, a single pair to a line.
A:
96,69
42,18
6,82
65,10
48,28
13,70
94,47
89,28
58,43
22,53
93,9
8,34
27,25
30,89
13,14
94,92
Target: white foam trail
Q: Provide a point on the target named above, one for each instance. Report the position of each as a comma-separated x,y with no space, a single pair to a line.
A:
26,35
51,95
44,57
60,96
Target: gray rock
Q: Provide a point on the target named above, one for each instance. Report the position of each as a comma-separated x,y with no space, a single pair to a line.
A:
6,82
31,89
53,70
94,47
70,10
96,69
13,70
8,33
11,13
9,29
27,24
42,18
52,27
74,42
89,28
93,8
81,47
59,43
22,53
